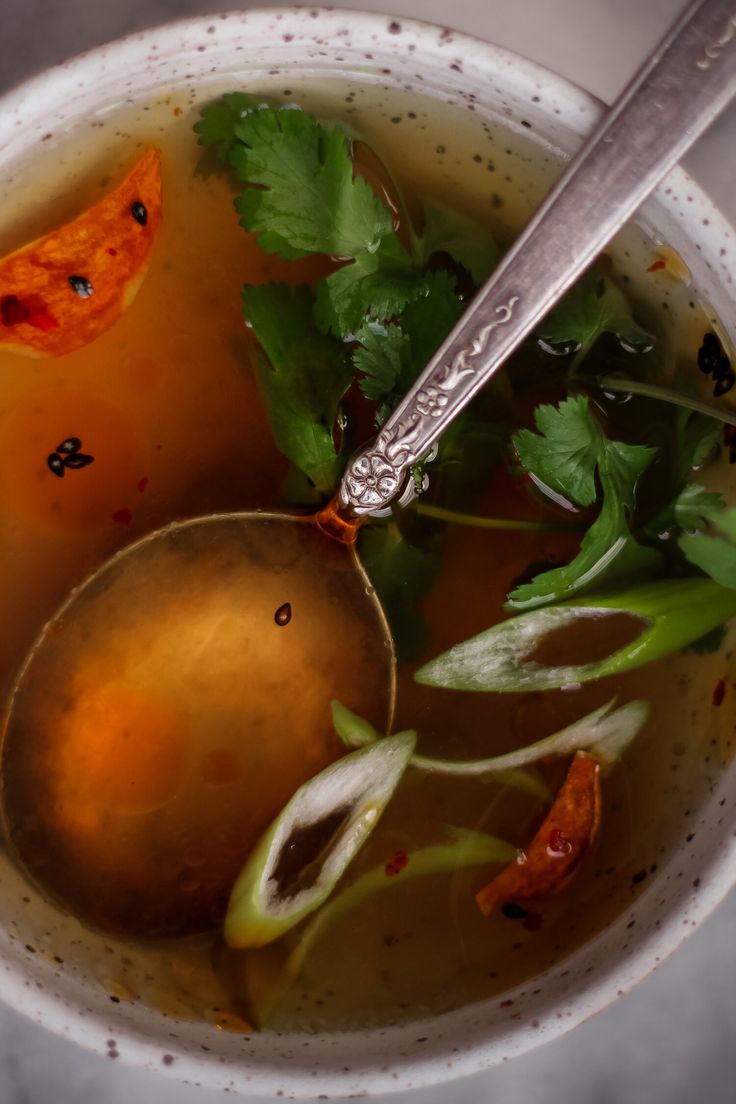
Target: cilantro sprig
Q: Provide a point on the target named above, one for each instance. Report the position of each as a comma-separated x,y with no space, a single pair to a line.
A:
572,455
377,319
712,547
302,196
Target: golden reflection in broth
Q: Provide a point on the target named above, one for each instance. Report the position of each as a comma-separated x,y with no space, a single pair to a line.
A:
166,716
152,400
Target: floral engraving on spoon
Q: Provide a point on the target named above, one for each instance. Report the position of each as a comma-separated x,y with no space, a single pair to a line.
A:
373,477
712,52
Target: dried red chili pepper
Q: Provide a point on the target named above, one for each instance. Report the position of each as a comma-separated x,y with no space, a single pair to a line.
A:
559,846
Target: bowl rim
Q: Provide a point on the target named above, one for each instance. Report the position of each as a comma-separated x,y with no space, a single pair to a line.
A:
718,868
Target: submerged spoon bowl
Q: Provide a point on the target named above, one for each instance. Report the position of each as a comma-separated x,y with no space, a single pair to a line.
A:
177,663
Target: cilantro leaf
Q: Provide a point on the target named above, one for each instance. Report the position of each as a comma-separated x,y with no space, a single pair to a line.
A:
692,508
377,284
715,554
564,457
384,358
695,435
567,456
593,306
608,553
430,317
447,231
307,196
391,356
304,382
218,121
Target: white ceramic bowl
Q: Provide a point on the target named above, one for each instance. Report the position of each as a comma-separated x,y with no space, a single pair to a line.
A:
70,997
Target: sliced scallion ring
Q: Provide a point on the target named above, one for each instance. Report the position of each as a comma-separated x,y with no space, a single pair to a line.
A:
356,732
673,613
302,856
605,733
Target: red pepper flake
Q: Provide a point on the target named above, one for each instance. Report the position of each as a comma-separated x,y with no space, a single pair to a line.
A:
656,266
123,517
719,692
396,864
506,1004
558,843
13,311
142,484
42,320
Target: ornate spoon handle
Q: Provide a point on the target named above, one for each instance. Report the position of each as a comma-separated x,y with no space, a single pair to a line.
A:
679,90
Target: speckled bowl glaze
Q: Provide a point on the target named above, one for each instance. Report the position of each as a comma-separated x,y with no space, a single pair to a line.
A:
50,967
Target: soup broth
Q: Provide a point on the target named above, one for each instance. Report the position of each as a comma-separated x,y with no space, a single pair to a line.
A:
166,403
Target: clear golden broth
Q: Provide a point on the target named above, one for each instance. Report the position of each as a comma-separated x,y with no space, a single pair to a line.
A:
166,404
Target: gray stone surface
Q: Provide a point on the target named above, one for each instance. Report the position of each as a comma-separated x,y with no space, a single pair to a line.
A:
673,1040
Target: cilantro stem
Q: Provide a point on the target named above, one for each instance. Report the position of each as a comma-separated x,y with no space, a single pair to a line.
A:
664,394
439,513
579,357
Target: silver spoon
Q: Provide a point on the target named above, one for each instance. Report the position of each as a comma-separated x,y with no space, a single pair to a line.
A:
681,88
182,693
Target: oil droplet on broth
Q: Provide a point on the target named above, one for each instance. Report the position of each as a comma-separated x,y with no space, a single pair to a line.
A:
150,740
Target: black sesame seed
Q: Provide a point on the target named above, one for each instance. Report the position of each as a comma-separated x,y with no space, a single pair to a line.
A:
722,368
724,385
513,911
78,460
69,445
712,361
639,877
81,286
56,465
706,362
139,212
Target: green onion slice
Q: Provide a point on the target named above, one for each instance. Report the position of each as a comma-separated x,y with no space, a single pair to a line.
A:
605,733
674,613
464,849
301,857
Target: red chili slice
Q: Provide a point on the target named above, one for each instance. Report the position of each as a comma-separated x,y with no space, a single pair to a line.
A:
62,291
555,853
